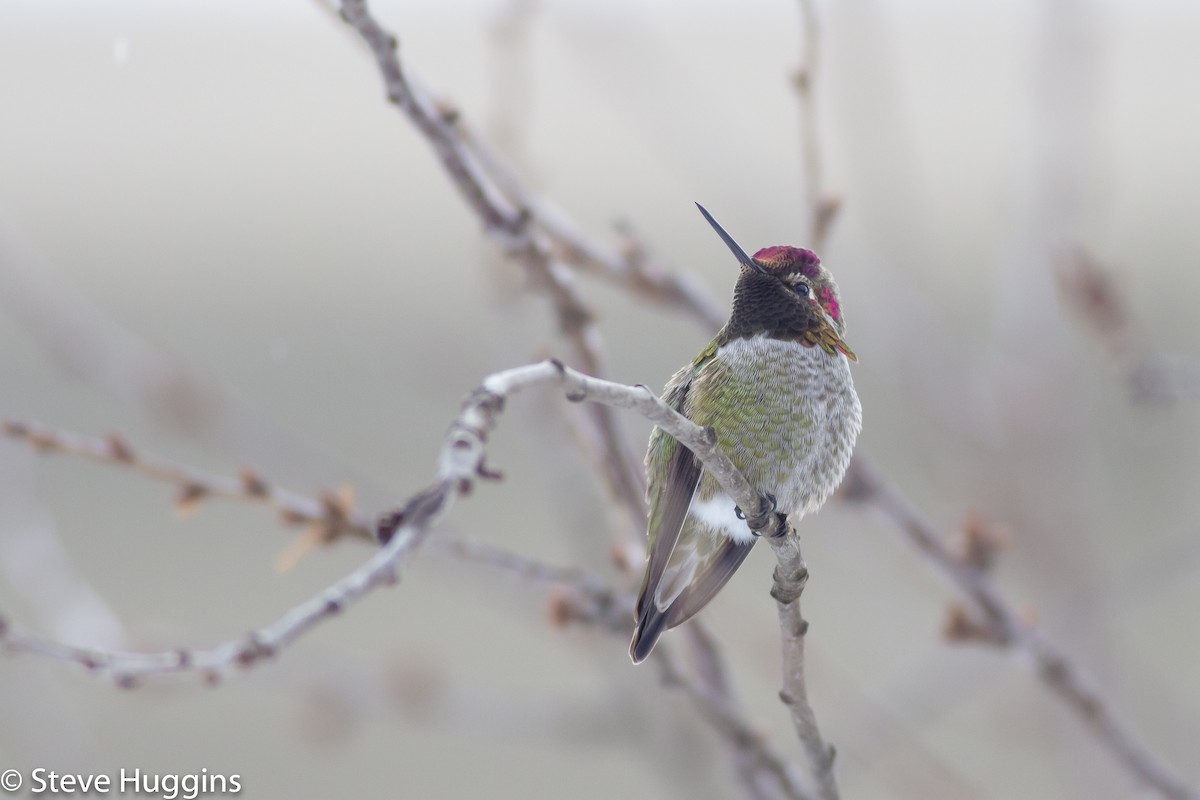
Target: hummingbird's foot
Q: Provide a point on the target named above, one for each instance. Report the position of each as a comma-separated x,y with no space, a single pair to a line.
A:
737,510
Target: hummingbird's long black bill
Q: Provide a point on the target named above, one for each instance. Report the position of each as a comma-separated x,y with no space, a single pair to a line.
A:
738,252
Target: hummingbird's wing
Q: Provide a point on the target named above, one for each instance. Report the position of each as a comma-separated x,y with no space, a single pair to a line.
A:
685,571
670,497
688,563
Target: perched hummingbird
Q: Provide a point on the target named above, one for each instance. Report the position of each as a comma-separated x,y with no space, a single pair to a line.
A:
775,385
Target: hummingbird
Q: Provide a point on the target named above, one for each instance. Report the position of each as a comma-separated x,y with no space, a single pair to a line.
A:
775,385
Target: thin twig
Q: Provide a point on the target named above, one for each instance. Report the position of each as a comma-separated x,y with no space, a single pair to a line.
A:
490,555
330,512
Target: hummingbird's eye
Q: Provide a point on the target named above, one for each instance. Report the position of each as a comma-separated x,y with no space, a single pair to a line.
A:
802,289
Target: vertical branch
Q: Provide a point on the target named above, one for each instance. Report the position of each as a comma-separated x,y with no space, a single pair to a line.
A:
791,575
822,208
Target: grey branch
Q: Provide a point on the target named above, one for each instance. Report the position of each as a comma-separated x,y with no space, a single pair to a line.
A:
791,575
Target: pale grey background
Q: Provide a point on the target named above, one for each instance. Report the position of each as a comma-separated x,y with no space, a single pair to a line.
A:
224,182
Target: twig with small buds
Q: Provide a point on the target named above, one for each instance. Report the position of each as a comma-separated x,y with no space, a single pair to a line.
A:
330,514
584,598
323,514
481,177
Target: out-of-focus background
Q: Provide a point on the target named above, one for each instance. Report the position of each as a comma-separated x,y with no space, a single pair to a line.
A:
218,239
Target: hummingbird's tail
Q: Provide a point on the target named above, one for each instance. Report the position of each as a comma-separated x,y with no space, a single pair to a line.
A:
650,625
703,583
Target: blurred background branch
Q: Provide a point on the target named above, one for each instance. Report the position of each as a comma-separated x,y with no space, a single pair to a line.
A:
1101,304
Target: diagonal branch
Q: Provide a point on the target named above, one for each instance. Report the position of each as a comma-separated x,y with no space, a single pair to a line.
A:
509,224
126,669
631,266
1064,678
1088,288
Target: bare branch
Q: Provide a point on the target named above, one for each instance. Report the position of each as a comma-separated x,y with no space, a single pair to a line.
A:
700,440
791,575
